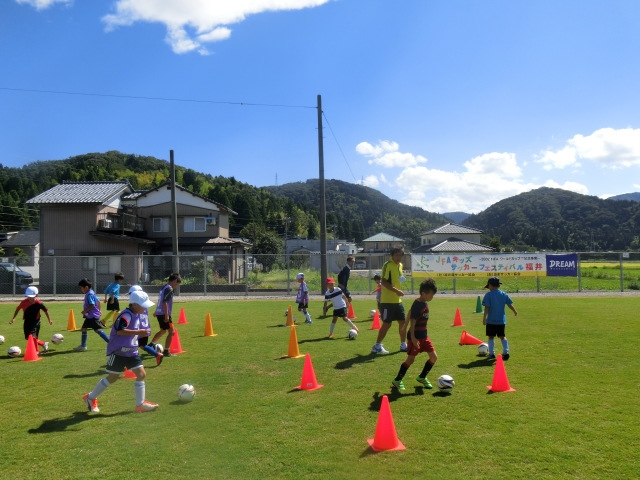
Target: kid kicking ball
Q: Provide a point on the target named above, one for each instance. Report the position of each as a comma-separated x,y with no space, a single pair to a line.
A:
353,334
446,383
57,338
1,339
186,392
14,351
483,349
159,348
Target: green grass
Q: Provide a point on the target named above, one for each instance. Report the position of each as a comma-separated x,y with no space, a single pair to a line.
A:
574,413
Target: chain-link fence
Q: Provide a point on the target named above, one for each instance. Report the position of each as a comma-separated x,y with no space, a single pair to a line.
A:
276,274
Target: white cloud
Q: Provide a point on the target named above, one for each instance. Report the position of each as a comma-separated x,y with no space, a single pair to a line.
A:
387,154
370,181
193,23
41,4
608,147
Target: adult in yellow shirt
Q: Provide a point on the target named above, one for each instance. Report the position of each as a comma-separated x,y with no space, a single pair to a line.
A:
391,307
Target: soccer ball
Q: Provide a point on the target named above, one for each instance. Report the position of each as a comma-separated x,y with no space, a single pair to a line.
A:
57,338
446,383
1,339
353,334
372,313
186,392
483,349
14,351
159,348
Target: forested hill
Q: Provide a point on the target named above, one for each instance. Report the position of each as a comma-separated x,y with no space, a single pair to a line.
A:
555,219
356,212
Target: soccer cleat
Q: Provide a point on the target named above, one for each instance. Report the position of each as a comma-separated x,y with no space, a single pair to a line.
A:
167,353
491,356
45,347
403,346
92,404
80,348
356,329
308,321
398,384
424,382
330,335
146,406
378,348
505,356
159,358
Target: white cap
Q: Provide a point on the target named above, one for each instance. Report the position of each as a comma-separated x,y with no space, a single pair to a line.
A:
140,298
300,275
135,288
31,292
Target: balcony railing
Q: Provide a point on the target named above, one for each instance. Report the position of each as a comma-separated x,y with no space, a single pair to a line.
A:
123,223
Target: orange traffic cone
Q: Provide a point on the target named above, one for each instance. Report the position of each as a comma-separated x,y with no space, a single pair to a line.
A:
294,351
386,437
500,381
208,327
71,323
31,352
457,321
128,373
175,346
289,316
376,321
350,313
467,339
182,319
309,381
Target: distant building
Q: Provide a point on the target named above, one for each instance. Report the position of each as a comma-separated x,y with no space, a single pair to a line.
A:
451,238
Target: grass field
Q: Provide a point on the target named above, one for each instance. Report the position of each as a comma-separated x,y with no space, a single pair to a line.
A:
574,413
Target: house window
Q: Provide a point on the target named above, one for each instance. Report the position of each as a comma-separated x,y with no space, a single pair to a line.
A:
195,224
161,224
108,265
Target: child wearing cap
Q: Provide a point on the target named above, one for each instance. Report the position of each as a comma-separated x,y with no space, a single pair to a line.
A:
31,307
146,325
495,318
302,298
122,353
339,301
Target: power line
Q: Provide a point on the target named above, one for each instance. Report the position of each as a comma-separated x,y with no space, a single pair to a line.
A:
339,148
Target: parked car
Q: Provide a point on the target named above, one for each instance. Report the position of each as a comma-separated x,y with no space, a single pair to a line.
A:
9,272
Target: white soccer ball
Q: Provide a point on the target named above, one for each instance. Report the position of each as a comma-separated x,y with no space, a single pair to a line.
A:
14,351
159,348
483,349
1,339
353,334
186,392
372,313
57,338
446,383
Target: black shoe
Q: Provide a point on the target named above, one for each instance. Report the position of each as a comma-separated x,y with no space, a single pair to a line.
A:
490,357
167,353
505,356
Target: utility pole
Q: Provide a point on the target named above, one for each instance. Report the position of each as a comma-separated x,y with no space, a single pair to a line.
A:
286,252
174,218
323,206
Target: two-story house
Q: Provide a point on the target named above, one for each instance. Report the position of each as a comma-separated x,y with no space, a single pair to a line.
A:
451,238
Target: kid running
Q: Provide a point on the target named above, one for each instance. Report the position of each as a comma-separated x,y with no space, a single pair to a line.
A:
31,316
303,297
339,300
91,314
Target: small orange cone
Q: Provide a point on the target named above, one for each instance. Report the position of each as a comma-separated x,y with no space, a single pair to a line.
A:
467,339
386,437
350,313
500,381
309,381
183,318
376,321
457,321
31,352
208,327
289,316
175,347
71,323
294,351
128,373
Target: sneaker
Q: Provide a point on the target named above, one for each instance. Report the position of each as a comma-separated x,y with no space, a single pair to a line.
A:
490,357
167,353
80,348
146,407
505,356
398,384
92,405
159,359
403,346
424,382
330,335
308,321
378,348
45,347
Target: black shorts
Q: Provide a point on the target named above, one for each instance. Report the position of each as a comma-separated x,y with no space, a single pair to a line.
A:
115,305
92,324
164,325
339,312
494,330
31,329
117,363
302,306
391,312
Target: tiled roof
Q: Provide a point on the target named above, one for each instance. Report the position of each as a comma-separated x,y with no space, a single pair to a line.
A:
456,245
23,238
383,237
452,229
81,192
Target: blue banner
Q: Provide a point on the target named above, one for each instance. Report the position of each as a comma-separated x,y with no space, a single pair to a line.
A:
565,265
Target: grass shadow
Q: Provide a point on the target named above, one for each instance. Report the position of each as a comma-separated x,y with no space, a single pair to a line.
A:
63,424
86,375
476,363
394,395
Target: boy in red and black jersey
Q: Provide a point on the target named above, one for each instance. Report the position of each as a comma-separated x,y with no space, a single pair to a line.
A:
31,316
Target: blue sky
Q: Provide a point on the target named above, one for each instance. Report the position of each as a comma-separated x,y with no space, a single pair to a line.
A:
447,105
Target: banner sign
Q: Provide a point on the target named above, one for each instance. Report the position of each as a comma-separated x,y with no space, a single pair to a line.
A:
484,265
565,265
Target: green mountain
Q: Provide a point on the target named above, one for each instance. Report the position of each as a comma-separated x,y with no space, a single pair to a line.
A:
555,219
635,196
